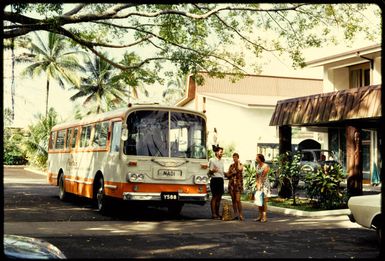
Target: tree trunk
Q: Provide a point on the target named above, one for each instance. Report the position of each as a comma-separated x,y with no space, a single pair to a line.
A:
46,98
284,146
284,139
354,161
13,78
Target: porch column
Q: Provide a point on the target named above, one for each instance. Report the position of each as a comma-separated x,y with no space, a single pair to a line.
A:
284,139
354,161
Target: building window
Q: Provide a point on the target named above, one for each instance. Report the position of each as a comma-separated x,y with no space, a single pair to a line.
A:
359,75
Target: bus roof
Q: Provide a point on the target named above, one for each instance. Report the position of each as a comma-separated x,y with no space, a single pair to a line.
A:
119,114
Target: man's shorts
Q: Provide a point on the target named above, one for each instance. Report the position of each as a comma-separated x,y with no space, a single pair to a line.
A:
217,186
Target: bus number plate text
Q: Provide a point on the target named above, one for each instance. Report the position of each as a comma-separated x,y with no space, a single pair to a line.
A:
169,174
169,196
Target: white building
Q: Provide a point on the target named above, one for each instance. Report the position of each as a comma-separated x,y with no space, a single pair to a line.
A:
241,110
349,105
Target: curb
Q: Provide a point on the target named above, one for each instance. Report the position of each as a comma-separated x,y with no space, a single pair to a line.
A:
300,213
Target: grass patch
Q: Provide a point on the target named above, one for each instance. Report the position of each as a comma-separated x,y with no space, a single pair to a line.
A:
304,204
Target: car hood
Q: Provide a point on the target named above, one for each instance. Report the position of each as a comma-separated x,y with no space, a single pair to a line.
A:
21,247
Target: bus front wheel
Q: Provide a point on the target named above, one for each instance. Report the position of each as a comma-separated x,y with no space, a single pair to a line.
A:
63,195
101,199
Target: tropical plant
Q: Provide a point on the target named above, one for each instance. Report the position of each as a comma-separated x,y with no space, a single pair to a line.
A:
12,137
197,36
13,153
36,142
287,168
324,186
101,87
55,58
249,175
7,117
175,89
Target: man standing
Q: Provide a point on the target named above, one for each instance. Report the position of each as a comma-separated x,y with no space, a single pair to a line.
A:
216,172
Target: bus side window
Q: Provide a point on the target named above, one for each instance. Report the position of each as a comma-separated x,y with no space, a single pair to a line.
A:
68,140
60,139
85,136
100,137
74,137
115,137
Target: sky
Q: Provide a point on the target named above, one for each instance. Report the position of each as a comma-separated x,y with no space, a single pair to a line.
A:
30,93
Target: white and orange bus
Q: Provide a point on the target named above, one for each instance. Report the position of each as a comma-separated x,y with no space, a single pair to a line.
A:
143,153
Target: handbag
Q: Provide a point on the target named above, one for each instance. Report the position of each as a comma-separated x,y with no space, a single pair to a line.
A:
258,198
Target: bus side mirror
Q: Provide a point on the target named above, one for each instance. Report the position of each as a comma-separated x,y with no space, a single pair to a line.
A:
124,135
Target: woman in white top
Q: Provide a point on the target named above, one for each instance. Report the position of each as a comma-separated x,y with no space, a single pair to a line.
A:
262,184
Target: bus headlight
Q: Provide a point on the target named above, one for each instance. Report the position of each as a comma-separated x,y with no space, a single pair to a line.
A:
198,179
133,177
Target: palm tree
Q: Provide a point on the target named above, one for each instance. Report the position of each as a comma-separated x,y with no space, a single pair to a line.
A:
36,144
11,44
55,58
175,89
102,88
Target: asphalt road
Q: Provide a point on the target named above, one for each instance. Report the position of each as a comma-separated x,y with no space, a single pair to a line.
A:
32,208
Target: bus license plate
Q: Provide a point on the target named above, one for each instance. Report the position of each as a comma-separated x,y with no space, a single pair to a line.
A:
169,196
169,174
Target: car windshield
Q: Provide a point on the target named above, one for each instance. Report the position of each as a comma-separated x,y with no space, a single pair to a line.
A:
317,155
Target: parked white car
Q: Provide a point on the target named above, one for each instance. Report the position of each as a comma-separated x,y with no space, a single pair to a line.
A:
366,211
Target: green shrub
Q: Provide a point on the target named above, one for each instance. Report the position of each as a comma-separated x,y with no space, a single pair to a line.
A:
249,174
13,154
324,187
287,169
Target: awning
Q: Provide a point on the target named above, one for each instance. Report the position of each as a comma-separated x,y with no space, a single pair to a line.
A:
361,103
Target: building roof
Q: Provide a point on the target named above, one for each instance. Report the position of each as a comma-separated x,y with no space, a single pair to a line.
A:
354,56
244,99
251,90
329,108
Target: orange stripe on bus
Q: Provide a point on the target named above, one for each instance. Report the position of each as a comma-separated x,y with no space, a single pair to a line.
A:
74,185
152,188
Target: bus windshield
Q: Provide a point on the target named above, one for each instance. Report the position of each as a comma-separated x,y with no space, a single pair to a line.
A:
165,134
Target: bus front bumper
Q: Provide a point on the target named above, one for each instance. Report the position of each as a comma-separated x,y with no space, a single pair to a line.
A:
182,197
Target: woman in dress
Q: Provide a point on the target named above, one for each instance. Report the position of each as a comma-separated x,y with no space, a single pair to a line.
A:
262,184
235,186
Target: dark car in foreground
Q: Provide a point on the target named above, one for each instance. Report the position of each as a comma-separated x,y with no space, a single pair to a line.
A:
21,247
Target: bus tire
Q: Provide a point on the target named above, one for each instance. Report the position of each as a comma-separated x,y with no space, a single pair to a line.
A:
175,209
101,199
63,195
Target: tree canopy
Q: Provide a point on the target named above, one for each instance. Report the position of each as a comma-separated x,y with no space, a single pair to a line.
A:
212,37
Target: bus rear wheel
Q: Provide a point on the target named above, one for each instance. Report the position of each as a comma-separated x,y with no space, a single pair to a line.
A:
63,195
